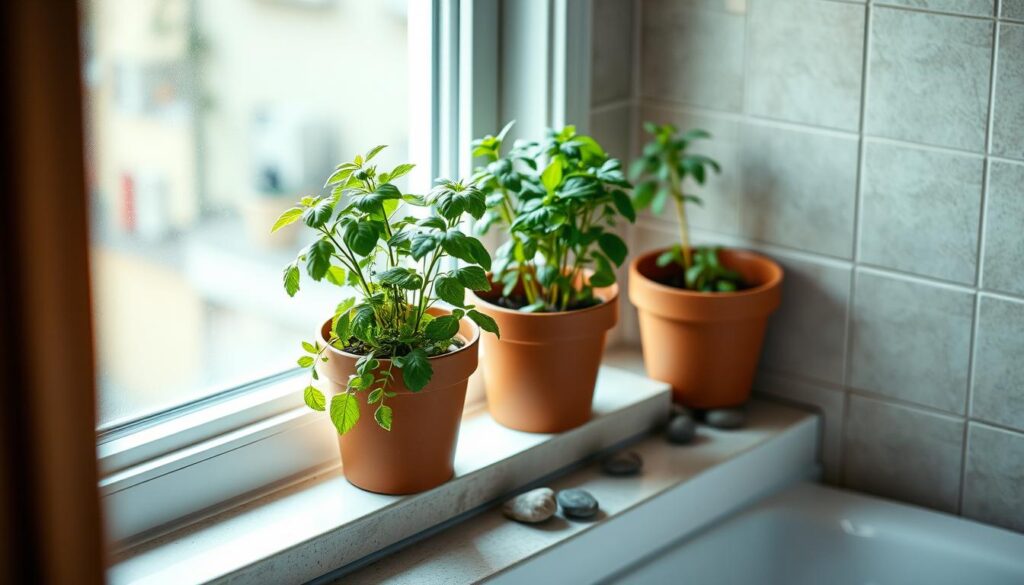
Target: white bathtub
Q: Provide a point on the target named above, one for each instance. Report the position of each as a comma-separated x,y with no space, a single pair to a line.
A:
809,534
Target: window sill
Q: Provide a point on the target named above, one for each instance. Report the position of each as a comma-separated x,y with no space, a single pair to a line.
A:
305,530
681,490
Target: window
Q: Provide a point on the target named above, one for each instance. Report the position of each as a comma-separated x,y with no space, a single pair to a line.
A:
206,119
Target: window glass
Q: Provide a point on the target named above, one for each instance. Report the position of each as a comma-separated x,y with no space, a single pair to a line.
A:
205,120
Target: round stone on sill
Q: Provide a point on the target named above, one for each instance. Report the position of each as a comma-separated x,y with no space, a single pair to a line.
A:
726,418
681,430
577,503
680,410
531,507
622,463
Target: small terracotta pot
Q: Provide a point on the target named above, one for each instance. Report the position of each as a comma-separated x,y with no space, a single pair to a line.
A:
706,345
418,453
540,375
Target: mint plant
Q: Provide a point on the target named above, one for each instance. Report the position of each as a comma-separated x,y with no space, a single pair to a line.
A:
664,166
559,215
397,264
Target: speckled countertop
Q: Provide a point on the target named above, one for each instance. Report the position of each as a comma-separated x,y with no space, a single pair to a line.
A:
777,443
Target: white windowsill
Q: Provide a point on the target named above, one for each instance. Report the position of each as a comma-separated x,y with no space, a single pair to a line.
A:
681,490
310,528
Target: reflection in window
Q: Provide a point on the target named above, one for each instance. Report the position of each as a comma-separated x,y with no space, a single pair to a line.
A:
206,119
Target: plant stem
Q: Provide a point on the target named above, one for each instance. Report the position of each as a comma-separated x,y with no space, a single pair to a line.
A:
427,280
684,232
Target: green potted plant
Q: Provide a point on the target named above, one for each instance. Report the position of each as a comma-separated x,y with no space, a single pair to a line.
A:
703,310
390,352
553,290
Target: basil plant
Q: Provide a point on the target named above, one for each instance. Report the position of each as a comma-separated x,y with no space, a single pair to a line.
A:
560,200
662,170
399,266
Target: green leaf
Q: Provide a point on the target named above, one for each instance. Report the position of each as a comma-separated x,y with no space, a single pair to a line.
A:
423,244
369,202
442,328
336,275
318,214
373,151
613,247
383,416
453,199
363,322
389,206
552,176
637,167
604,275
344,412
308,347
305,361
546,274
340,175
416,369
668,257
467,248
361,237
375,396
644,194
344,306
343,327
695,134
402,278
314,398
400,171
450,290
291,278
485,322
693,274
360,382
473,278
433,222
624,205
287,218
318,259
659,201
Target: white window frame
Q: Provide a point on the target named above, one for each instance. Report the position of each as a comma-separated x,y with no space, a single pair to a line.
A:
173,469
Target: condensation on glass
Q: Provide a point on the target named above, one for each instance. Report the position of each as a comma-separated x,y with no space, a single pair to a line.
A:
206,119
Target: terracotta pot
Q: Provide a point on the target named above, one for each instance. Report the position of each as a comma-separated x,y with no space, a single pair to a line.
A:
540,375
418,452
705,344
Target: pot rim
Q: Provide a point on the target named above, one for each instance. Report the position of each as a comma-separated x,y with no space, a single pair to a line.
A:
470,343
634,267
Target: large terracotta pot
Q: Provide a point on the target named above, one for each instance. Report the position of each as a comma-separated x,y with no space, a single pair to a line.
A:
706,345
418,452
540,375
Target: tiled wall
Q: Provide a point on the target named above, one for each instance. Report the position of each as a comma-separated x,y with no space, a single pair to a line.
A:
876,150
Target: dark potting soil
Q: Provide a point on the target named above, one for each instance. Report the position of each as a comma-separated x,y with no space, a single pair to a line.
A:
677,280
357,347
517,302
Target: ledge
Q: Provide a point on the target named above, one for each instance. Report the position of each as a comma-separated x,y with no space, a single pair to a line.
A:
681,490
308,529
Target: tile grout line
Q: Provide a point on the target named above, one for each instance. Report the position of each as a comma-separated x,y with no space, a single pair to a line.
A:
610,105
757,120
631,330
658,224
919,10
889,400
858,213
979,273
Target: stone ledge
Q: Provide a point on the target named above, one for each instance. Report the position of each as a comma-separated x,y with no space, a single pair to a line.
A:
308,529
